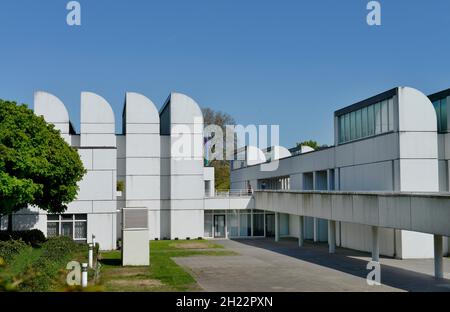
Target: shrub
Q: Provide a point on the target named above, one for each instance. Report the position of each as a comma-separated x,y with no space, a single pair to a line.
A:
33,237
9,249
58,247
56,251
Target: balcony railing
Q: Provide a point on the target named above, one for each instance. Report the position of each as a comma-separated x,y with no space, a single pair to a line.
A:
231,193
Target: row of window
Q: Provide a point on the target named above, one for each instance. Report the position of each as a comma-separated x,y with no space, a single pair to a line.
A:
367,121
242,223
441,113
72,225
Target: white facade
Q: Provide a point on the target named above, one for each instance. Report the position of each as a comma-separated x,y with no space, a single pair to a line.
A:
400,155
144,157
158,157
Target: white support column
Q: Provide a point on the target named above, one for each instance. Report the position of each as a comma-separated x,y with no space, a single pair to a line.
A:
438,254
277,226
331,236
316,230
375,244
300,231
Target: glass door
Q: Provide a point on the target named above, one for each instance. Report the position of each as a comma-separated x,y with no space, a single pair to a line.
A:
270,225
219,226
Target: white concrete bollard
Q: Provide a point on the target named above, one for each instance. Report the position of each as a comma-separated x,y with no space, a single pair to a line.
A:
84,275
91,256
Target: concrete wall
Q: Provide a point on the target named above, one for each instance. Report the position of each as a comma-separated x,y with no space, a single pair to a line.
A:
186,165
405,159
142,158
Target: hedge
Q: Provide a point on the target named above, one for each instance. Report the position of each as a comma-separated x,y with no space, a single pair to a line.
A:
33,237
9,249
56,252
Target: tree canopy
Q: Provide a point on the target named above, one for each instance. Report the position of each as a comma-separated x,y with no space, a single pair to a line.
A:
37,166
221,167
311,143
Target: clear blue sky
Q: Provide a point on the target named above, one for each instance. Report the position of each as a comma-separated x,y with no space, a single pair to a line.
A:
288,62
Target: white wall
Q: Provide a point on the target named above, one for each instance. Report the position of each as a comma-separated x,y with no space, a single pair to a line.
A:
142,159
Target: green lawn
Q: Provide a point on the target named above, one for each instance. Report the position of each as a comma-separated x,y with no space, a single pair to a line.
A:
163,274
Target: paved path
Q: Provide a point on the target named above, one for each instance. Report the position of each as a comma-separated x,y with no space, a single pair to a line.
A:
263,265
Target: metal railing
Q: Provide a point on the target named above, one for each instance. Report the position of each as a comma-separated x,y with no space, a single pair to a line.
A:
231,193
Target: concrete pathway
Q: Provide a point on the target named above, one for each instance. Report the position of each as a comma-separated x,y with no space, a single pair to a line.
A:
263,265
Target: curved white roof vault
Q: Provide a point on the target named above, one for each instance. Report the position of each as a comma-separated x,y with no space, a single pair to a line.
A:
95,109
52,109
140,109
255,156
416,112
279,152
97,122
184,110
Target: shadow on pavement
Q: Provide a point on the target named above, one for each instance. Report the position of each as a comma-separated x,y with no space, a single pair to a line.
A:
343,260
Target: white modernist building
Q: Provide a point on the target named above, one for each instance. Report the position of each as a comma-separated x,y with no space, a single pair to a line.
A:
394,142
154,176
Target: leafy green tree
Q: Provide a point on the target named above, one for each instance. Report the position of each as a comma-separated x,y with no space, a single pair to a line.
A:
221,167
37,166
311,143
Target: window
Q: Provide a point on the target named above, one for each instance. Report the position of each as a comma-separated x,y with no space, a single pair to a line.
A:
245,224
391,114
208,225
384,116
233,226
371,120
353,126
377,108
367,121
444,114
72,225
258,224
358,123
341,129
440,106
347,127
364,123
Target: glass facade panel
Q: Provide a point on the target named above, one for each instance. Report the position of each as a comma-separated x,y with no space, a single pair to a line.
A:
391,114
384,117
364,123
233,226
347,127
81,217
245,224
352,125
341,129
377,108
370,120
437,108
51,217
67,229
80,230
358,124
52,229
258,224
444,114
208,224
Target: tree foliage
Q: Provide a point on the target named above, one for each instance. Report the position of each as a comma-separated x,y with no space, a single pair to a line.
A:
37,166
221,167
313,144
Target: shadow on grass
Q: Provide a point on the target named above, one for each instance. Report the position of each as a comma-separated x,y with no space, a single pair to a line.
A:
111,262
